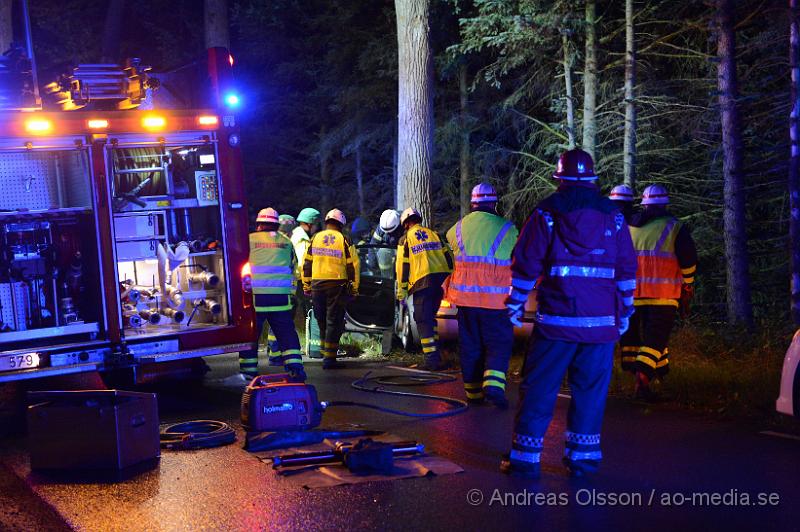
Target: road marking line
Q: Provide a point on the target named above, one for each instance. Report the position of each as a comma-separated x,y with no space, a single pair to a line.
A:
780,435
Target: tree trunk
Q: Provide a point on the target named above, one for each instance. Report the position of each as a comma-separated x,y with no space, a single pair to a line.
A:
415,107
216,24
6,27
359,181
794,162
735,233
629,161
324,172
590,82
395,181
112,30
464,156
568,86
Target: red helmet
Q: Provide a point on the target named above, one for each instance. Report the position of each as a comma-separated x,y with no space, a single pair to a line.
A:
575,165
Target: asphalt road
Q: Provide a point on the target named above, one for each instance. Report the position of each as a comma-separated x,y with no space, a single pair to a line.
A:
664,469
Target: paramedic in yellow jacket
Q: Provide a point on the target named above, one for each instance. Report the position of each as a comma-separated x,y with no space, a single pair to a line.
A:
422,266
331,276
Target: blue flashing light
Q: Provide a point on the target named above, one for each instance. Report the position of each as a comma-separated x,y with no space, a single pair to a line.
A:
232,99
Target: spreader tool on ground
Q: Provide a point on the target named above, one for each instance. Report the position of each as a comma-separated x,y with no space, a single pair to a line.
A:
363,457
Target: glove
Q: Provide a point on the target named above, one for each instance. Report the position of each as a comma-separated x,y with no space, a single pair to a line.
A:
402,295
515,312
624,323
685,303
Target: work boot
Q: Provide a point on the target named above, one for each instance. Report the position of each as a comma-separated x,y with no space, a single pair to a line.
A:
496,396
297,372
581,468
642,390
518,468
332,363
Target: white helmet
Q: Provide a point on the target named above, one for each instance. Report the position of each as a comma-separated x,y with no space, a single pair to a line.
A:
337,216
655,195
483,193
390,220
408,213
267,216
621,193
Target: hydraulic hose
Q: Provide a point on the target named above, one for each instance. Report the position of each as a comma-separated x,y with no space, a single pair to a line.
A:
457,406
201,434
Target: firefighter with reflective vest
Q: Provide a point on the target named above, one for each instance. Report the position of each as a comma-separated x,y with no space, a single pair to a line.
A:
576,251
623,197
331,277
482,243
422,265
272,268
664,283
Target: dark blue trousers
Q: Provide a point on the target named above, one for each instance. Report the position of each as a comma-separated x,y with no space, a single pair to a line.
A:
485,339
588,369
287,344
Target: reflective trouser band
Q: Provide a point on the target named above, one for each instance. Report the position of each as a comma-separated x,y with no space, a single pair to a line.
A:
275,355
429,349
494,378
577,455
273,309
248,366
582,439
525,456
528,441
427,341
292,356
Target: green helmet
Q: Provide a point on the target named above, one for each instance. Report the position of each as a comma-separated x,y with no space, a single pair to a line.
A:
309,216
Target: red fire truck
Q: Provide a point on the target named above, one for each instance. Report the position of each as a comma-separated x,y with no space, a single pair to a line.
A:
123,222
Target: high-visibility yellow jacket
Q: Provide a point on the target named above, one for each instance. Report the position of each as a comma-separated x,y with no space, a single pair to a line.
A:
420,253
331,257
272,265
482,243
659,276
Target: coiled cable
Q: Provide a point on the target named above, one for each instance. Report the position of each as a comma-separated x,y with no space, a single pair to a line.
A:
200,434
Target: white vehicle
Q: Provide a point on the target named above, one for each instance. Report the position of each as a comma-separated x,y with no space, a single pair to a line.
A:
789,400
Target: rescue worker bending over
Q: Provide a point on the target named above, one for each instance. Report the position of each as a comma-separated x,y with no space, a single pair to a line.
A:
307,225
482,243
387,233
331,277
359,231
664,282
577,247
423,264
623,198
272,267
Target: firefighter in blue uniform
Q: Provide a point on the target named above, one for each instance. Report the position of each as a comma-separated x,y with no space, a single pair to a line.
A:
576,251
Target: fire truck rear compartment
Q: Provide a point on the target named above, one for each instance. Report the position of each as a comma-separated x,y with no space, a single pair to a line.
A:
168,236
49,268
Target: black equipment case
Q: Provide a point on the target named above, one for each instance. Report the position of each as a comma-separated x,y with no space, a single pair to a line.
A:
92,430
